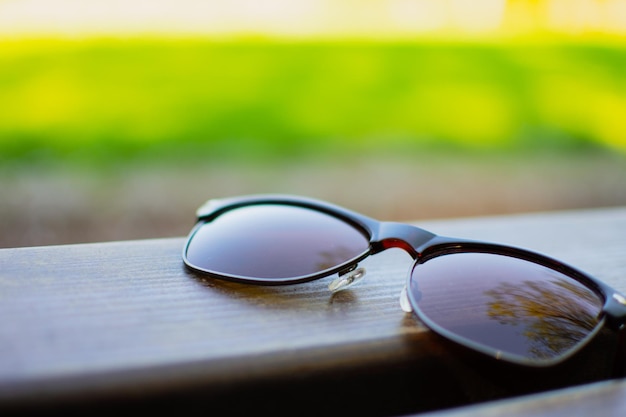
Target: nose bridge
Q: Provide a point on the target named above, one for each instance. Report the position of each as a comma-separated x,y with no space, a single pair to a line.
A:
401,235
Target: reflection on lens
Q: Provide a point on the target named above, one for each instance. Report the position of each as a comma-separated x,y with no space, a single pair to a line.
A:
510,307
274,241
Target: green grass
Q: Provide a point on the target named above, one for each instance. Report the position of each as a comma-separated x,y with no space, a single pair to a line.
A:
97,102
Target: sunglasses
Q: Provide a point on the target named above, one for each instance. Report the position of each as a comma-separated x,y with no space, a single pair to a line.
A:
506,302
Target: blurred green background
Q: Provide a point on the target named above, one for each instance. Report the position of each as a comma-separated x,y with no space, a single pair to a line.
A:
112,137
100,102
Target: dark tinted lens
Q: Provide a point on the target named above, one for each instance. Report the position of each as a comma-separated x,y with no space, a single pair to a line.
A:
274,241
507,306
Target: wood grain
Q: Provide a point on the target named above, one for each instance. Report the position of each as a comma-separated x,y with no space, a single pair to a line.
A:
124,325
606,398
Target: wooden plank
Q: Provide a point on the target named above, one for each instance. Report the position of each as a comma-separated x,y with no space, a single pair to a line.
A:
606,398
124,324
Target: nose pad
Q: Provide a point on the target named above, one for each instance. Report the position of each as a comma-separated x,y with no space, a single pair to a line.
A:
347,279
405,304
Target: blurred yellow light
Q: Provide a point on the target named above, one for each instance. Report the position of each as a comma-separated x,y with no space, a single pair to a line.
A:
318,18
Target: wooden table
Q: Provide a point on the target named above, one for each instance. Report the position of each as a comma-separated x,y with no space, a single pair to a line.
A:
123,326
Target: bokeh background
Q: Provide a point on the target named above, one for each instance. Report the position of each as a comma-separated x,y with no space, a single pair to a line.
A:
119,118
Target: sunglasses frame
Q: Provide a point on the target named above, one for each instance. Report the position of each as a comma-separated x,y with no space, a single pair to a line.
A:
421,245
